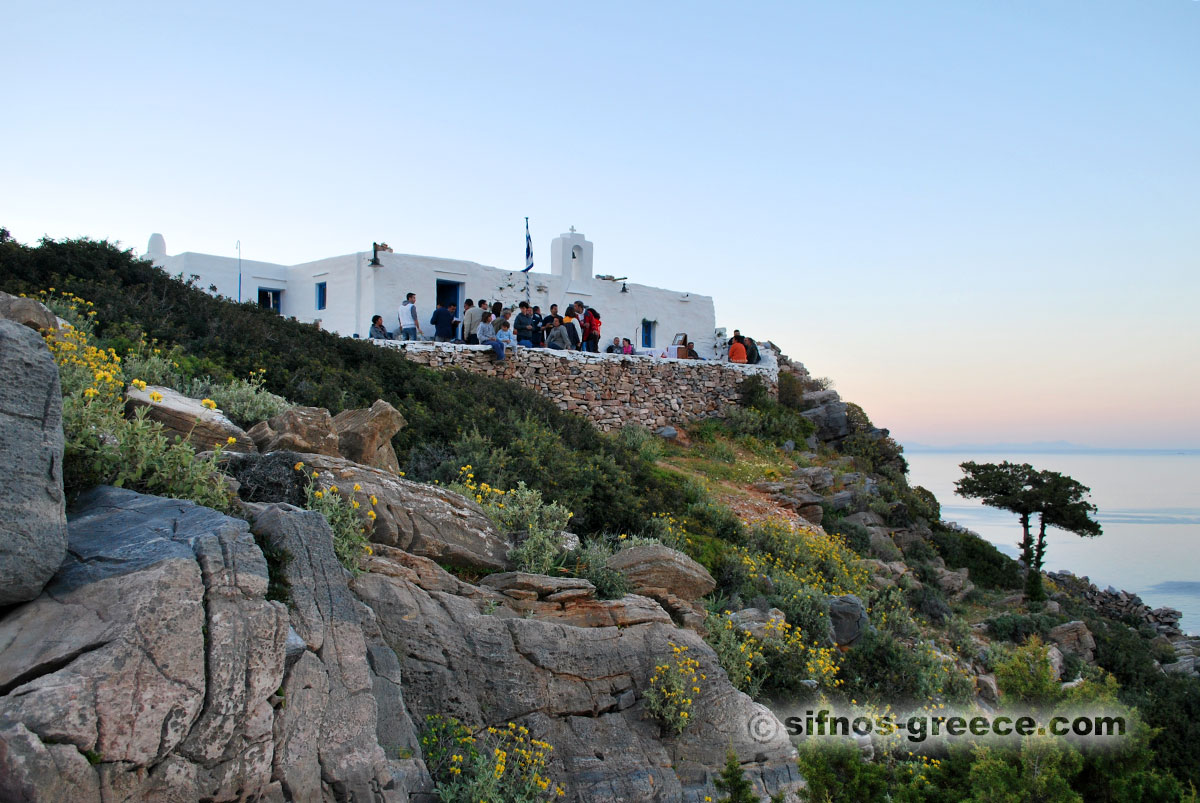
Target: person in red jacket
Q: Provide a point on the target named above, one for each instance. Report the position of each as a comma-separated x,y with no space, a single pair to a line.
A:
591,330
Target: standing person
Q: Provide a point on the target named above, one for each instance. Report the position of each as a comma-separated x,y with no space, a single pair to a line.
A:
548,322
591,325
443,323
471,320
410,323
737,351
468,305
523,325
574,332
538,335
497,308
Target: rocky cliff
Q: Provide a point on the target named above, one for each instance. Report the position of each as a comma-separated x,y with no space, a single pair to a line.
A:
171,652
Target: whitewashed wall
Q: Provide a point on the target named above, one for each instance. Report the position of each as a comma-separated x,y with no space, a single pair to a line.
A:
357,291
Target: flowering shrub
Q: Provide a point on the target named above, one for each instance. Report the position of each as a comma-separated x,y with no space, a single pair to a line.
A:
243,401
780,662
780,548
521,512
738,653
673,687
102,446
344,512
499,765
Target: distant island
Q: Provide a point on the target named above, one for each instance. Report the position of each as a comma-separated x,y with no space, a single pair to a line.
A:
1044,447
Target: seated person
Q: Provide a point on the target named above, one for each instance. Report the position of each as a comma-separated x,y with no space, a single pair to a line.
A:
691,352
626,346
615,347
487,336
737,350
558,337
378,330
505,335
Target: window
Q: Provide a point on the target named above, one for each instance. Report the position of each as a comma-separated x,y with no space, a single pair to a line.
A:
647,334
320,295
269,298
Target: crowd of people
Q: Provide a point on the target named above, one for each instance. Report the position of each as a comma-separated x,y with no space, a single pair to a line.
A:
577,328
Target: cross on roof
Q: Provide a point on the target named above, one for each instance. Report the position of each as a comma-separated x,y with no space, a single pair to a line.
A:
572,229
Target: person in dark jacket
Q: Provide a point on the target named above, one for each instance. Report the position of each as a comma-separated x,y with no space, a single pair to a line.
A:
752,355
523,325
444,322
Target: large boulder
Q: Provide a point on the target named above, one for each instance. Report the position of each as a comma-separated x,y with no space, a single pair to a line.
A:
189,419
27,312
467,652
819,478
298,429
423,519
365,436
829,414
954,584
1074,638
33,530
146,669
848,618
656,566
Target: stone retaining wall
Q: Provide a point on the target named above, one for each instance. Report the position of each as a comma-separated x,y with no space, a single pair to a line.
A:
611,390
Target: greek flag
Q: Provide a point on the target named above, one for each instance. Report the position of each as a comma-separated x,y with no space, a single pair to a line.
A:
528,249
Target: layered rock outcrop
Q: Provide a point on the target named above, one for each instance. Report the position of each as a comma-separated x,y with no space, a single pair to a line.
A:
147,666
423,519
33,529
487,656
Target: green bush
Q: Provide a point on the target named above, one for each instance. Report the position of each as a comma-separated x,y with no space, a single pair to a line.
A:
1017,627
341,510
641,441
673,689
888,610
880,667
959,634
1025,676
501,765
835,772
590,564
990,568
856,536
929,602
245,402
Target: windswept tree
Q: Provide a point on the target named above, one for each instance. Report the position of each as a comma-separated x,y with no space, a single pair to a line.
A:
1056,499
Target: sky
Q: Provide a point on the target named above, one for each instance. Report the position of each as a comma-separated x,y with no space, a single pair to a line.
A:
980,219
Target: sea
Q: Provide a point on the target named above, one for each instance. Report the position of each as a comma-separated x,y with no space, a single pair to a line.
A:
1149,509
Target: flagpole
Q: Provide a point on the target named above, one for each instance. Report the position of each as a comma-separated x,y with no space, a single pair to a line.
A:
528,259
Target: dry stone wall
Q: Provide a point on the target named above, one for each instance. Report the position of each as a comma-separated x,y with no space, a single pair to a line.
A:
611,390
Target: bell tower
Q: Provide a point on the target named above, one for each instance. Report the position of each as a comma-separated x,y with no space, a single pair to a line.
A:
571,256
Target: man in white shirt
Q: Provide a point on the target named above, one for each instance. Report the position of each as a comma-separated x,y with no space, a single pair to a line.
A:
410,322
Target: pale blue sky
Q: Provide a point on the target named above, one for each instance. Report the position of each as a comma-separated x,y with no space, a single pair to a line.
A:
982,219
